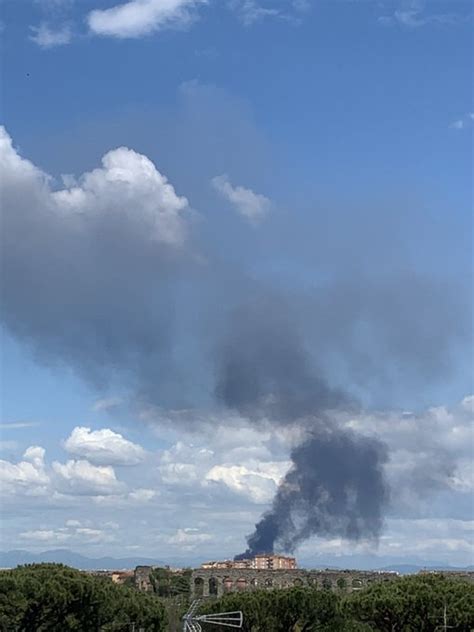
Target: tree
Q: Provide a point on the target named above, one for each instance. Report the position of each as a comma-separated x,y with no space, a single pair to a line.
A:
408,604
54,598
415,604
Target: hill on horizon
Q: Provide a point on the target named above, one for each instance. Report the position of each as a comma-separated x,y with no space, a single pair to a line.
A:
10,559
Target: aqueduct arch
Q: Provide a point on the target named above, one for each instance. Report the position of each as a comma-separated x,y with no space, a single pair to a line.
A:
214,582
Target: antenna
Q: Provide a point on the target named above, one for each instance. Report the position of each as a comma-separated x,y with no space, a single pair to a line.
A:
192,621
445,625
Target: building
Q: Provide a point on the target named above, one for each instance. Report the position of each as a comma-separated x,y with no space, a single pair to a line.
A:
262,561
273,562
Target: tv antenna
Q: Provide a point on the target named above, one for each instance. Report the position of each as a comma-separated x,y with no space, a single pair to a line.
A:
445,625
192,621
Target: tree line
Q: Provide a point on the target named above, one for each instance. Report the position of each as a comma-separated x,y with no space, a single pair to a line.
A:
56,598
421,603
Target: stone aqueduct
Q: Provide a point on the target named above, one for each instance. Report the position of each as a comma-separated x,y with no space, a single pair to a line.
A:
216,582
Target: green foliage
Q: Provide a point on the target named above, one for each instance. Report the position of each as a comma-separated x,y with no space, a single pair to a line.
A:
415,604
54,598
298,609
168,583
409,604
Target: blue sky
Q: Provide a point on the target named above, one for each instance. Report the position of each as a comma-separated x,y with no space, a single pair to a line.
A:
319,152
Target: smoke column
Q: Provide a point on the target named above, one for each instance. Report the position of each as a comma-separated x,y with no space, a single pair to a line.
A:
335,486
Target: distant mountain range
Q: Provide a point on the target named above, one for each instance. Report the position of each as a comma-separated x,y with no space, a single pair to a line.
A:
10,559
402,565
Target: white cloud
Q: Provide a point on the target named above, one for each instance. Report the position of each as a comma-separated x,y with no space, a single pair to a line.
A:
74,533
103,447
140,496
126,181
236,460
413,14
127,186
188,539
35,454
252,206
106,404
45,535
464,122
211,484
83,478
258,483
184,464
27,477
48,37
459,124
17,425
252,11
141,17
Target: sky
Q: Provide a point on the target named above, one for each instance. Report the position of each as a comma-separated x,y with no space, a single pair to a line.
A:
231,230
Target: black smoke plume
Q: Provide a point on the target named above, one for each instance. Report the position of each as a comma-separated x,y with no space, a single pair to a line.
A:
335,487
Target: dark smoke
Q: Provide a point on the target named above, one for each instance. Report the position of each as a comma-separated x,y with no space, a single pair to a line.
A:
264,371
335,487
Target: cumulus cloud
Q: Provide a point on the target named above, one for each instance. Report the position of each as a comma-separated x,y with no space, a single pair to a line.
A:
73,533
222,463
127,179
47,36
83,478
89,244
27,477
142,17
252,206
258,484
188,539
210,489
103,447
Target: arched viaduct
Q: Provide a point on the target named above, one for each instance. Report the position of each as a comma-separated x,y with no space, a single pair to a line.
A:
216,582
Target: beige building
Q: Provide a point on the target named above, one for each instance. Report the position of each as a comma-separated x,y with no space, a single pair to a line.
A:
262,561
273,562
